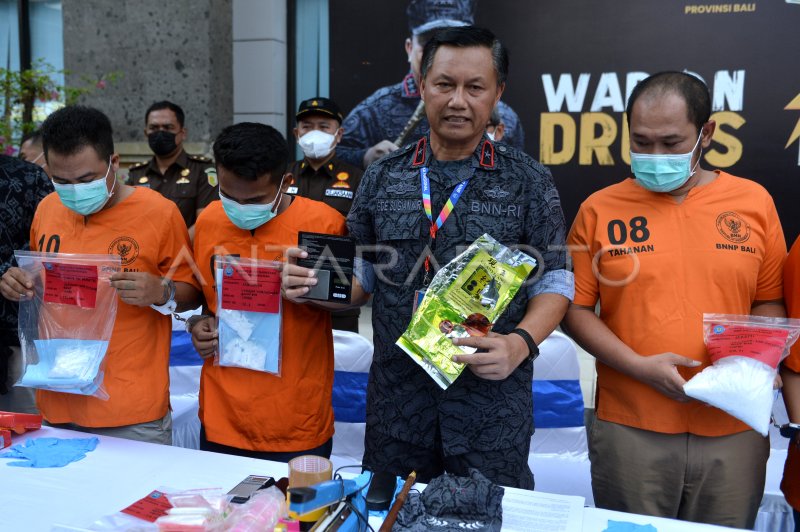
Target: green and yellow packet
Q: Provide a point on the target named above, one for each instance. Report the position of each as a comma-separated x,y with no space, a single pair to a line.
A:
464,299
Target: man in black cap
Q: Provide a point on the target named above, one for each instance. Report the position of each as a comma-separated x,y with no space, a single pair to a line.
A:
393,116
172,172
321,175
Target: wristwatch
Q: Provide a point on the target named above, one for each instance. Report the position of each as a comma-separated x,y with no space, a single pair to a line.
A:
533,349
169,293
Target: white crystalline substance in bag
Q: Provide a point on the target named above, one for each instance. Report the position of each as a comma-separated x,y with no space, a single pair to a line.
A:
70,362
244,354
740,386
237,321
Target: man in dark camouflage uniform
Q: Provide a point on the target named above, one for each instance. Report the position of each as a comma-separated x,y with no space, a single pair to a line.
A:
485,419
373,126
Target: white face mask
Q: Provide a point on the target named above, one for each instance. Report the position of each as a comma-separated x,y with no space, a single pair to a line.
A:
317,144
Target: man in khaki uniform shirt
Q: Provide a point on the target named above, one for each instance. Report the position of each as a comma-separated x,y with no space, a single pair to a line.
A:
322,176
176,175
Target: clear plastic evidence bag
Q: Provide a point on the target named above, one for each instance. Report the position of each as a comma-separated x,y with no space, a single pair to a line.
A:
745,352
249,313
65,328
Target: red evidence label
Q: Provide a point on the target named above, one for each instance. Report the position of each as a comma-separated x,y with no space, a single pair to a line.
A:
251,288
149,508
765,344
70,284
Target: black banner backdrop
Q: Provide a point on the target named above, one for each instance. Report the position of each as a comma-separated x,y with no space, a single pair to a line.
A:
574,62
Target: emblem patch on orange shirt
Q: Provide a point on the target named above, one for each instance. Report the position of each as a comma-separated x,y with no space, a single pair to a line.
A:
733,227
126,247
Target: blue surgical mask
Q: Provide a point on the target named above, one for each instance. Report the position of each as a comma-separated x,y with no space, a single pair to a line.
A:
251,215
664,172
86,198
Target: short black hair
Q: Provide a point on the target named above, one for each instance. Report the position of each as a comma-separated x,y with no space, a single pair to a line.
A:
250,150
34,136
74,127
164,104
691,88
466,37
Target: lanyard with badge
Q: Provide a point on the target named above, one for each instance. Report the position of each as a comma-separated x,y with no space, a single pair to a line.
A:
425,183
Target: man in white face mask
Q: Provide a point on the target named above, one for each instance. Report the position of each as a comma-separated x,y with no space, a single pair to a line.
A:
657,251
322,176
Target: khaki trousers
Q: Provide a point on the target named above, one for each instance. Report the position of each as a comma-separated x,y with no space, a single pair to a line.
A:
158,431
717,480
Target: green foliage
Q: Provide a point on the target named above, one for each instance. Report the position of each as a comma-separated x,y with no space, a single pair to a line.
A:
27,96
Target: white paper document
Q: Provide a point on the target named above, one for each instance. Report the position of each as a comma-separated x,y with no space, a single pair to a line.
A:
531,511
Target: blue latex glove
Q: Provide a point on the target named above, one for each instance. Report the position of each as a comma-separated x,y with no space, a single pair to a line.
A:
50,452
624,526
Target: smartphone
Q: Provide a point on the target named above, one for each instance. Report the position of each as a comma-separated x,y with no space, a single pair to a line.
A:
246,488
381,491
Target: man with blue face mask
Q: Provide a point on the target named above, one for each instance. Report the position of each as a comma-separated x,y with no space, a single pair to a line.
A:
92,213
246,412
656,251
323,176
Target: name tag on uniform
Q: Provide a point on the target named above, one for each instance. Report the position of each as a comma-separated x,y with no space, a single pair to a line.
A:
291,190
339,193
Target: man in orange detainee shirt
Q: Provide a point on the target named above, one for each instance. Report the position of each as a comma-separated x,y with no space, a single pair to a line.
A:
790,373
657,252
246,412
91,212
